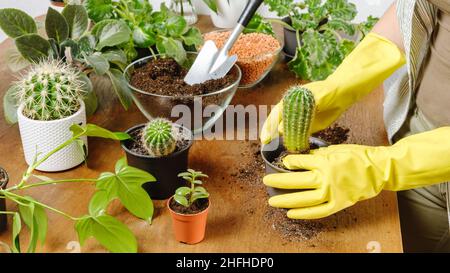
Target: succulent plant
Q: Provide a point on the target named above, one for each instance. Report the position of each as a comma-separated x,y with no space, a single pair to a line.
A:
159,137
50,90
298,113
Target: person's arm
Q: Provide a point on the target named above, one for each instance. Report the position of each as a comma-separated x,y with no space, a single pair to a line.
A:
373,60
388,27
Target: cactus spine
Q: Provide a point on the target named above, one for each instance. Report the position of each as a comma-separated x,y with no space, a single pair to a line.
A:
159,138
298,113
51,90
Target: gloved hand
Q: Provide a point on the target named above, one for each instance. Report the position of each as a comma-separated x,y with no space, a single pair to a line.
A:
369,64
341,175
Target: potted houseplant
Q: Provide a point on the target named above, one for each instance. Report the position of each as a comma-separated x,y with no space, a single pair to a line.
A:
4,179
225,13
124,184
94,52
50,98
161,148
189,208
186,9
152,31
298,113
318,34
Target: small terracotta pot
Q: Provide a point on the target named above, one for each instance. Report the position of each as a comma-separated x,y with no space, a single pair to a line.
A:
189,228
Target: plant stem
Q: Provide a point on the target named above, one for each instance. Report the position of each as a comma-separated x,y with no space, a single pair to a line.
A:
44,206
152,52
56,182
281,22
7,212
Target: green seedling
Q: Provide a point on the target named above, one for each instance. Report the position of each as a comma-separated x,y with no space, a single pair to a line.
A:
186,196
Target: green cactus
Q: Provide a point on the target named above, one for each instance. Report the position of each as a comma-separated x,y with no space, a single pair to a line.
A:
298,113
51,90
159,137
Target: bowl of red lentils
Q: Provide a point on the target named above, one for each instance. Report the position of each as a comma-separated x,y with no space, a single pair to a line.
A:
257,54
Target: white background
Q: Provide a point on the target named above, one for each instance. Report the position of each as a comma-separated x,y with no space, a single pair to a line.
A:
39,7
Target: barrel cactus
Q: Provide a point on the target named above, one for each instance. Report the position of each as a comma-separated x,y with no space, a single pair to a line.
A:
298,113
159,138
50,90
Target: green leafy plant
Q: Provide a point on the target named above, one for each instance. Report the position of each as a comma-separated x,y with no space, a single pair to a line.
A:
123,184
162,31
259,25
51,90
298,113
69,39
186,196
159,137
318,26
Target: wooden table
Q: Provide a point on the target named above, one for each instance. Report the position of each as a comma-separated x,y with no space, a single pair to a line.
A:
372,224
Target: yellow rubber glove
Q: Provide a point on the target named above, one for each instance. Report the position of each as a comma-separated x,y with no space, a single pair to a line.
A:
341,175
369,64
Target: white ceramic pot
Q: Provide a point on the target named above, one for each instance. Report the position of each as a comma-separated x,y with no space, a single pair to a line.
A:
228,14
44,136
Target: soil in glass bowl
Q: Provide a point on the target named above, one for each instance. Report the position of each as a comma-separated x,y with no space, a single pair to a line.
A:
164,76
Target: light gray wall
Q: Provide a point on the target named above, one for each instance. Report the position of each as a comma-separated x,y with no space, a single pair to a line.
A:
39,7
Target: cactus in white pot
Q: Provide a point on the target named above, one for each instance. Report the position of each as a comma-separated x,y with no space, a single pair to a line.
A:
50,101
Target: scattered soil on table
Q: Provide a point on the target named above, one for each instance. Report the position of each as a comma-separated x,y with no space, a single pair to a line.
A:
334,134
256,52
250,178
198,206
136,146
3,177
164,76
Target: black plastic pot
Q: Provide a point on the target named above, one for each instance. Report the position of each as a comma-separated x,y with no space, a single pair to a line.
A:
164,169
272,151
290,39
3,218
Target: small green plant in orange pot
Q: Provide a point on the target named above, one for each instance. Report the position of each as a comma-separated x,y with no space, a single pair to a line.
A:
189,208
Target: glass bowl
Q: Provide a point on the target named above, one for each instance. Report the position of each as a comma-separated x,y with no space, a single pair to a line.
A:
195,112
256,68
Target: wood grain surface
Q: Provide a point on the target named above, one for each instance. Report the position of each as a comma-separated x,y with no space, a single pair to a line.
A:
232,227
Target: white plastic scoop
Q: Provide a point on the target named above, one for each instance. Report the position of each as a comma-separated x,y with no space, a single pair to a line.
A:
214,64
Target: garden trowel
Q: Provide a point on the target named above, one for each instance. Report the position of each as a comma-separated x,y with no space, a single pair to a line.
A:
214,64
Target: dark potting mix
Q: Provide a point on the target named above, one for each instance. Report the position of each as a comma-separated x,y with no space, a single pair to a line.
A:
164,76
198,206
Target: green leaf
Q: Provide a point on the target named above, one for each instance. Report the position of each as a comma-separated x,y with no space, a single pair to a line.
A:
10,105
300,65
15,60
176,26
143,38
92,130
33,47
197,182
99,10
16,23
315,46
174,48
193,37
200,190
341,9
281,7
16,228
74,48
87,44
35,218
99,202
84,229
90,98
98,63
183,191
113,234
100,25
113,33
199,195
120,87
367,26
126,184
258,25
342,25
56,26
181,200
115,56
212,5
77,19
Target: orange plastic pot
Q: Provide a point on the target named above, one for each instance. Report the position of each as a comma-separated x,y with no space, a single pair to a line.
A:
189,228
